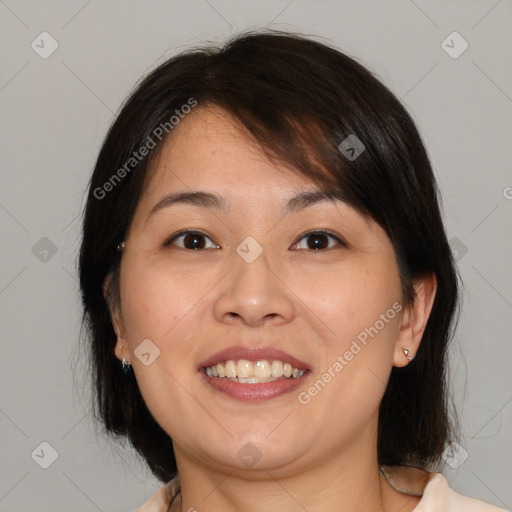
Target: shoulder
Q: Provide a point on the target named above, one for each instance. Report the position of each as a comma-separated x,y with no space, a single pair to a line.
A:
439,497
434,490
163,498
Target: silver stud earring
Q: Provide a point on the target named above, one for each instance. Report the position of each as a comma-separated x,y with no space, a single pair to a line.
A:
120,246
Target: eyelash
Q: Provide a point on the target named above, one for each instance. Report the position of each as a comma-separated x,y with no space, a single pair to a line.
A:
327,233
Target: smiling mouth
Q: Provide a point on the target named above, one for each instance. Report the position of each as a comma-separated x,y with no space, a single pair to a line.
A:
253,372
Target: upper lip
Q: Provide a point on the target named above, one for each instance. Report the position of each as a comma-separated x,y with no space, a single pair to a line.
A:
252,354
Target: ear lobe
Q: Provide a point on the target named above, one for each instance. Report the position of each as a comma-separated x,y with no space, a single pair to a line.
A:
414,320
118,350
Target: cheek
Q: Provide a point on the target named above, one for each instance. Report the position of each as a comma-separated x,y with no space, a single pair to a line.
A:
158,306
349,300
347,390
361,307
373,317
155,300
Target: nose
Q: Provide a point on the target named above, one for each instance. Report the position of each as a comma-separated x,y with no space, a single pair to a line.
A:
254,294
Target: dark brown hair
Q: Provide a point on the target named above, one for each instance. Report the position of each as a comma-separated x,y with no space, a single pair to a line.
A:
299,99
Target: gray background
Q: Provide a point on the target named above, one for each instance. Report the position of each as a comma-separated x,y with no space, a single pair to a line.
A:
55,113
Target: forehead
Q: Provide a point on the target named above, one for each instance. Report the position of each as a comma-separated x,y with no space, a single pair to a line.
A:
211,148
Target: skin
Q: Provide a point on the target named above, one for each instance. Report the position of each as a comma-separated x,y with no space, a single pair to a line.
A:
319,456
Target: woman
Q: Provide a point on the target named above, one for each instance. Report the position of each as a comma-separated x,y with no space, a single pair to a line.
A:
268,286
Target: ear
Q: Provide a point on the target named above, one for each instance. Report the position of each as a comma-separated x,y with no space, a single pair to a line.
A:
414,320
115,317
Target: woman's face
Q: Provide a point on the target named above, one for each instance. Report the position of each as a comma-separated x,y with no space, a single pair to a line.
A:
331,302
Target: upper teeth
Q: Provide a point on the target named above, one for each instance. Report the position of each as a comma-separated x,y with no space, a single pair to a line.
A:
247,371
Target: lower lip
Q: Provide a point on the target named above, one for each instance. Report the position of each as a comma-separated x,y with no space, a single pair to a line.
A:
253,392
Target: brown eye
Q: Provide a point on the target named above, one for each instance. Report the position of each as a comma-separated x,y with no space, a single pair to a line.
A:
191,240
318,240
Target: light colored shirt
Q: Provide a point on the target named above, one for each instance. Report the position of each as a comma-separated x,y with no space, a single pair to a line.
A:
436,494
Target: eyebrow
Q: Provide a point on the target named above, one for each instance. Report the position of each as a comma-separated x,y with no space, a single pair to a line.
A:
209,200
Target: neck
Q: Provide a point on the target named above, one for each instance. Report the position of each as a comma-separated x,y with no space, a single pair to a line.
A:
348,482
